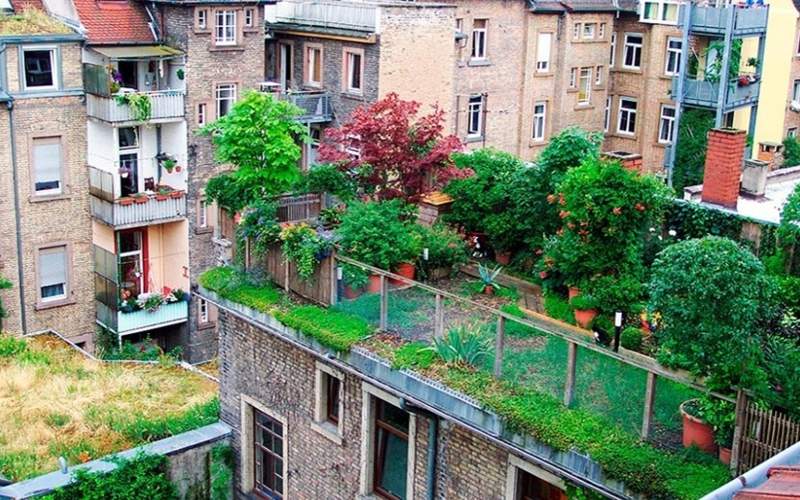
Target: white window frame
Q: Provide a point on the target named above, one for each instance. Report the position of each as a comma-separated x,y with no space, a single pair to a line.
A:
475,130
515,465
607,115
480,39
539,121
334,433
48,141
601,31
310,55
791,132
349,55
585,86
218,89
588,31
53,68
202,311
668,122
66,285
202,19
796,90
673,55
635,47
660,12
247,451
202,113
225,32
544,44
613,57
630,113
249,17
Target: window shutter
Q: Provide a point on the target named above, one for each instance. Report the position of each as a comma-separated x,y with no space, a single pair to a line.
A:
46,161
52,266
543,49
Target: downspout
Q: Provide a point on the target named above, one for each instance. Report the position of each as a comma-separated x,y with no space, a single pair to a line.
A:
433,445
17,217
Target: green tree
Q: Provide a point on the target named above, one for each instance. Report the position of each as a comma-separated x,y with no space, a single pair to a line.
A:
690,155
261,138
714,298
791,152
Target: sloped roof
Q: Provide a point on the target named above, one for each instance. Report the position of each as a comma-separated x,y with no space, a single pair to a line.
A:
783,482
549,6
20,5
114,21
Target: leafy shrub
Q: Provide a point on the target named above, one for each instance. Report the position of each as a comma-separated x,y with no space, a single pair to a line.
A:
583,302
691,147
631,338
714,298
259,224
446,248
462,345
614,293
791,152
558,308
221,471
305,247
782,363
379,234
11,346
328,179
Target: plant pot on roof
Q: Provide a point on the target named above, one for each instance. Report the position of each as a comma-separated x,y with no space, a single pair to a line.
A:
404,269
354,280
488,278
584,307
176,194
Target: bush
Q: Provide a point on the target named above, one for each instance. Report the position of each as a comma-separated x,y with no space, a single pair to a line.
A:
260,225
558,308
714,298
379,234
583,302
691,148
11,346
446,248
305,247
614,293
328,179
791,152
413,355
631,338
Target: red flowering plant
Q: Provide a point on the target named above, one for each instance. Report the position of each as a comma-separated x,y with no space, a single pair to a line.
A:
391,151
606,212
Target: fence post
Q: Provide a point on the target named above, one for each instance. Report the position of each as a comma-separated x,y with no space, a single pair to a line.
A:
738,430
649,400
286,274
498,346
569,388
384,303
334,280
438,318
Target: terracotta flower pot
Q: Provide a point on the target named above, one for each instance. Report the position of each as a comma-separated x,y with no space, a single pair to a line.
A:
584,317
404,269
374,284
162,197
178,168
725,455
502,258
573,292
141,200
488,290
353,293
176,194
696,432
126,201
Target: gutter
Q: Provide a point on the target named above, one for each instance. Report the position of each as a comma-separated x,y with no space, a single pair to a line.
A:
17,217
756,475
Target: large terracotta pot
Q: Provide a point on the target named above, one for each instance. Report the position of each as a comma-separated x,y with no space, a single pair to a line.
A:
725,455
374,284
502,258
573,292
696,432
584,317
404,269
488,290
353,293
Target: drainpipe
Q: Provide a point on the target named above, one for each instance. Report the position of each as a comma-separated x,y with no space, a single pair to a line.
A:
433,445
17,217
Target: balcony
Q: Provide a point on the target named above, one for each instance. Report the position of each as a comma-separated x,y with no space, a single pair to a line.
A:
125,323
165,106
348,16
143,209
715,20
315,105
705,93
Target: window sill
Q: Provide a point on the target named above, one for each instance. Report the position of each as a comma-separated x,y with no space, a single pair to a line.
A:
623,135
226,48
42,306
533,143
478,62
667,77
34,198
206,326
202,31
582,107
352,95
543,74
328,431
635,71
203,230
474,139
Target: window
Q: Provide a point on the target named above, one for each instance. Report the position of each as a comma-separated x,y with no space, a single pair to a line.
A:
660,11
585,86
796,90
543,43
201,20
53,274
202,311
601,30
202,214
598,75
539,120
353,70
47,166
39,68
633,51
225,95
666,124
249,18
390,450
329,405
588,30
128,145
225,33
479,38
268,453
627,116
285,67
461,37
313,65
613,54
202,114
607,115
573,77
475,116
673,59
530,487
792,132
727,119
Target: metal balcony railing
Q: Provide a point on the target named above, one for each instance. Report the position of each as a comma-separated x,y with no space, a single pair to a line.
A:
338,15
165,105
705,93
715,20
315,104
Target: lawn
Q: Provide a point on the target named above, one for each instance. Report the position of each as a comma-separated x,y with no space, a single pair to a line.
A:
56,402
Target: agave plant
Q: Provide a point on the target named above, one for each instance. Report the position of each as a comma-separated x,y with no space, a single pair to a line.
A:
488,276
462,344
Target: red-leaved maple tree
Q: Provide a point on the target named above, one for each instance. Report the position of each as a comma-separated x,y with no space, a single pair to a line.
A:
391,151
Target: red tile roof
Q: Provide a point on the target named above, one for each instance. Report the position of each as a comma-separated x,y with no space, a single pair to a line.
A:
20,5
783,483
114,21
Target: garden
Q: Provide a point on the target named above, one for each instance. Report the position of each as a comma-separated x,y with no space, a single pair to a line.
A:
634,277
56,402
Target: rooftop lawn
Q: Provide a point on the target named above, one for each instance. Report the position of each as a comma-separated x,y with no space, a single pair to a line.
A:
31,21
525,404
54,401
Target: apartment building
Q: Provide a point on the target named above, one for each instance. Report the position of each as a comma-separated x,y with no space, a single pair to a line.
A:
46,251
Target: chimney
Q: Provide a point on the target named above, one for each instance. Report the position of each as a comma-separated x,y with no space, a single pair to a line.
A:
754,177
631,161
723,169
772,153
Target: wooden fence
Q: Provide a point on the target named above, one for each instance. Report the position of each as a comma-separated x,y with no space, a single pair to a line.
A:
319,288
762,434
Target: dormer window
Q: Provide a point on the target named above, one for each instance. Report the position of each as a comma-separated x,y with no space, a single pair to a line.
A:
660,11
39,65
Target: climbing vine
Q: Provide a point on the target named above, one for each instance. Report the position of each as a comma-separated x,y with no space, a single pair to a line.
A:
140,104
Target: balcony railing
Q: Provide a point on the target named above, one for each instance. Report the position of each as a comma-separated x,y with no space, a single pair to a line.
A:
706,93
124,323
337,15
715,20
316,105
165,105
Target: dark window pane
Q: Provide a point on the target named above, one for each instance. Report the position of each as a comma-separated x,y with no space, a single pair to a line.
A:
394,464
38,68
128,137
393,416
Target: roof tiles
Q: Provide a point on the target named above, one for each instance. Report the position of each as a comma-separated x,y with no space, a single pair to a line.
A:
114,21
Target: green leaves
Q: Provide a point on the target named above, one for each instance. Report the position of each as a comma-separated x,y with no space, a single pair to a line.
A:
379,234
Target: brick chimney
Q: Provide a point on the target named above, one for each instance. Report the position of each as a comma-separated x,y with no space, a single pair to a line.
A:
631,161
723,169
772,153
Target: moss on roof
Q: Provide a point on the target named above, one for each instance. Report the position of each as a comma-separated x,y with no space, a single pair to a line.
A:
31,21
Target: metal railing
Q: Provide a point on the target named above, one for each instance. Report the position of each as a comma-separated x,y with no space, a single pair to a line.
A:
342,15
706,93
715,20
147,209
315,104
164,105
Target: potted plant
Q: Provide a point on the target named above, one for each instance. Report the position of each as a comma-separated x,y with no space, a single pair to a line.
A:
139,198
355,279
169,164
303,246
443,252
176,194
163,193
488,277
572,292
696,431
126,201
331,217
584,309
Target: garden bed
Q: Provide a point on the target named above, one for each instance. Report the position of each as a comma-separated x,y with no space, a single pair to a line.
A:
54,402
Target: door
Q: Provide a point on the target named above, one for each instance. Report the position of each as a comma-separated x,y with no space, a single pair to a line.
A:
129,74
131,248
285,68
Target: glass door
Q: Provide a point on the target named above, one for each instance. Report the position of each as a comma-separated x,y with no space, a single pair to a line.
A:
132,273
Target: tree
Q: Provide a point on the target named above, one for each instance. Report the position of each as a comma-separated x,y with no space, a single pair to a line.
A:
690,153
714,299
261,138
399,155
